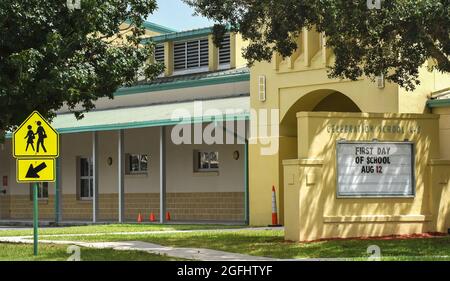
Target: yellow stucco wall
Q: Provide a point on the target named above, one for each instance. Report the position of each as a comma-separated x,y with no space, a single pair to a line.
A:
429,82
313,210
237,44
300,83
444,130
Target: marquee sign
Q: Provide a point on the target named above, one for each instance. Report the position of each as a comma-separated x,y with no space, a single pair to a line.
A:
374,169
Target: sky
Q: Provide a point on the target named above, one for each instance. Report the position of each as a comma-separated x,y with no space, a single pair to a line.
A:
176,14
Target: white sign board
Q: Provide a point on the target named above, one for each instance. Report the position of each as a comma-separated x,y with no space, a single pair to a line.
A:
373,169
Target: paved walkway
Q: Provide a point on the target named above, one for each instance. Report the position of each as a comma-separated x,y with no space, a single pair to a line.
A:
153,232
184,253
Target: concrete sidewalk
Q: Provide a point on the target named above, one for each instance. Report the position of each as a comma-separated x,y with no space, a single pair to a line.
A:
153,232
184,253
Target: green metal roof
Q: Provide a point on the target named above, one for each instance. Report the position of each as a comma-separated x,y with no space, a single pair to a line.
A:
438,103
152,115
182,35
156,27
189,80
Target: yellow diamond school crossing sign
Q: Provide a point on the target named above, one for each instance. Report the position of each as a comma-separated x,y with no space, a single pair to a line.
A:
35,170
35,145
35,138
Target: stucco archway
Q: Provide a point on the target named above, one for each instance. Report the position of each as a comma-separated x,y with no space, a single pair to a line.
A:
320,100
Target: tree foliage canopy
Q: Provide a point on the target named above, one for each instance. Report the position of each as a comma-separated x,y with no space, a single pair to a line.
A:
53,55
394,41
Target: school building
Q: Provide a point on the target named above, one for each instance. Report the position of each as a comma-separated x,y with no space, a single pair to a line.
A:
356,158
352,158
120,159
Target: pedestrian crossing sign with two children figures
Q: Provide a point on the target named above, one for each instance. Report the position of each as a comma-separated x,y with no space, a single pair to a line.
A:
35,138
35,145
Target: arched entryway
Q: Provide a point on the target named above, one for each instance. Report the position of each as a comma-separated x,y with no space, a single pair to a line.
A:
320,100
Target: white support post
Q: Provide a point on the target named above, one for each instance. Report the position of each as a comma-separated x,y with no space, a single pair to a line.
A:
58,188
121,174
95,177
162,174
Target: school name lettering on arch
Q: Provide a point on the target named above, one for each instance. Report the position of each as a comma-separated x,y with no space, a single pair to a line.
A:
370,129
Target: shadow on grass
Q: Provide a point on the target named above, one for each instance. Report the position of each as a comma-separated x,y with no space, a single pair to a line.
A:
270,243
24,252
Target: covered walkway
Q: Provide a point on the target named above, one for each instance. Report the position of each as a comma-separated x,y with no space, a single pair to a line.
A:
108,138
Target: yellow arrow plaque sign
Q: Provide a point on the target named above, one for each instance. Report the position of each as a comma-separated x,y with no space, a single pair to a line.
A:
35,138
35,170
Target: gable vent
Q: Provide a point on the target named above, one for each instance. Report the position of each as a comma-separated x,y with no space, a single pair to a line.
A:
225,50
190,54
159,53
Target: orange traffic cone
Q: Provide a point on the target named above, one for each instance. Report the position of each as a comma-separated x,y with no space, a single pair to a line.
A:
139,219
152,217
168,216
274,208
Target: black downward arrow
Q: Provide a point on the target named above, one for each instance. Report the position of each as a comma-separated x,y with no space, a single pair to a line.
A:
33,172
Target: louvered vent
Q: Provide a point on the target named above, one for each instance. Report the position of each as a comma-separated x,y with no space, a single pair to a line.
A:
262,88
224,50
159,53
179,56
190,55
204,54
380,81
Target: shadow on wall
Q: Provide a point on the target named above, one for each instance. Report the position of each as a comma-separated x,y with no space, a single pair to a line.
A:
325,100
321,213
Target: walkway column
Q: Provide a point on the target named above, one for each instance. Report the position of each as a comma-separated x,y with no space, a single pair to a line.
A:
121,175
58,192
95,177
58,186
162,174
244,136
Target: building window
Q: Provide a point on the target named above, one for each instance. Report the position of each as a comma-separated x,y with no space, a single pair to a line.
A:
206,161
86,179
190,56
137,163
225,52
42,191
159,53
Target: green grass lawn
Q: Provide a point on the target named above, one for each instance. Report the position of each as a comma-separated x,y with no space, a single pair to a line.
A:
270,243
24,252
107,228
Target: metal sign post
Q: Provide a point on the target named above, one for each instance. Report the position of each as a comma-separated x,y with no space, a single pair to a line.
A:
35,147
35,218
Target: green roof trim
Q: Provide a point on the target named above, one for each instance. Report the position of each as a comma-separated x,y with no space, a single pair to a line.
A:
187,83
438,103
156,27
168,122
155,115
182,35
158,123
